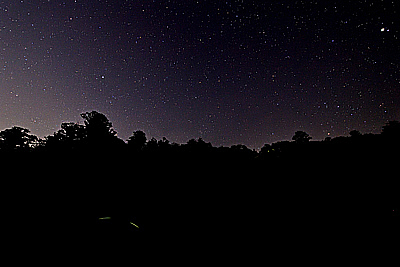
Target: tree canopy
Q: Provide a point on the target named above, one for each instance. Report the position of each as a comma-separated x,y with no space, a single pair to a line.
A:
97,133
17,138
301,137
97,126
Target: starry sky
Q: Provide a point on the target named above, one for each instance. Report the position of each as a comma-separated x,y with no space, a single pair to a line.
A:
232,72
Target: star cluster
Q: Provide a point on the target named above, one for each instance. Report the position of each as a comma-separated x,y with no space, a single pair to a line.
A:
248,72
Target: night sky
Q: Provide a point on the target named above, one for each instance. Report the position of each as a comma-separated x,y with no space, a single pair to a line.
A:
231,72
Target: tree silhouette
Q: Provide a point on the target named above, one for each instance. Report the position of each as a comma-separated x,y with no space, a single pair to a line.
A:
151,145
163,144
198,144
72,131
17,138
98,126
301,137
70,136
137,141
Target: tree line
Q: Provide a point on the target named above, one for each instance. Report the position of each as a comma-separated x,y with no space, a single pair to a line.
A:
96,134
84,172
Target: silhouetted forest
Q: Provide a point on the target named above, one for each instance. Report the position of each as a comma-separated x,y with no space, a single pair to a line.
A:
174,198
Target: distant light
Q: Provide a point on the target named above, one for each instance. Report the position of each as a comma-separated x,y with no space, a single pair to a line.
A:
105,218
382,29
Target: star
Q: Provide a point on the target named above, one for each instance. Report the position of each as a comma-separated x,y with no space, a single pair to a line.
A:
176,62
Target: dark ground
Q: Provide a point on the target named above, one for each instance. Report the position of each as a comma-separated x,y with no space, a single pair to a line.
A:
194,210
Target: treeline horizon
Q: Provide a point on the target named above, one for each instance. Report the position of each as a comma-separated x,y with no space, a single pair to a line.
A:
97,133
343,186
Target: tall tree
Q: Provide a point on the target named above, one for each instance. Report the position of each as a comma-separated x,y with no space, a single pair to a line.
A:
98,127
137,141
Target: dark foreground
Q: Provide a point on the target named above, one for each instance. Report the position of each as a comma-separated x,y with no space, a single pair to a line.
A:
194,210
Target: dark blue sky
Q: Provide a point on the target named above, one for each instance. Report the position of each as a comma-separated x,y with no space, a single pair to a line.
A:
248,72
